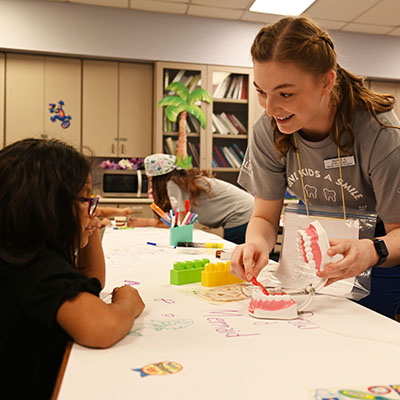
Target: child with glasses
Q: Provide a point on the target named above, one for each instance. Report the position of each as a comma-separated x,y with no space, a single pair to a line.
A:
52,266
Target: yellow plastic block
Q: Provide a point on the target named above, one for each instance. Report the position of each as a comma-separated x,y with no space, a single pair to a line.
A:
217,274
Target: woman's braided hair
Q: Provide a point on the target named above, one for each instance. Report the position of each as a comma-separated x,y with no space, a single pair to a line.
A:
300,41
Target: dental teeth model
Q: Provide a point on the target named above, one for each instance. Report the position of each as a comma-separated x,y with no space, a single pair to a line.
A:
276,305
313,244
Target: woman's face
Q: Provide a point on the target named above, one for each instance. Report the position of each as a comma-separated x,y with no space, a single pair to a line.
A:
294,98
88,224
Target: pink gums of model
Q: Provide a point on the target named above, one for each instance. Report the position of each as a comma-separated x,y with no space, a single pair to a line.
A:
313,246
277,305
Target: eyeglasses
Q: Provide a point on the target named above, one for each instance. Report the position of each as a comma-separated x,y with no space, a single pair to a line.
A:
92,201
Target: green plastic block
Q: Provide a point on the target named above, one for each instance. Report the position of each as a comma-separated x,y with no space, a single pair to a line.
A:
185,272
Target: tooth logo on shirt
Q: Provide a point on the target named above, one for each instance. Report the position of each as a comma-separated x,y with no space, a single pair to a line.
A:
330,195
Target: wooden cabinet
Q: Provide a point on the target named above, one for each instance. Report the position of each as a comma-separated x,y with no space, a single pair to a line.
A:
2,84
117,108
32,84
237,98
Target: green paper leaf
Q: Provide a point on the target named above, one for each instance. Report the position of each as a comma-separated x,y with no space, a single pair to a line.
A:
185,163
199,95
197,112
171,101
172,112
180,89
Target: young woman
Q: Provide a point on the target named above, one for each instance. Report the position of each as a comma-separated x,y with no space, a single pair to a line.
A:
217,203
51,267
315,112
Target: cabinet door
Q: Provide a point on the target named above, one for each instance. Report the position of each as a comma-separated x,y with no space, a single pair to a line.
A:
24,97
62,84
2,83
100,107
135,109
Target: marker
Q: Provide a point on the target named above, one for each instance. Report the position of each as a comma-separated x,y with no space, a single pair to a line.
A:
204,245
164,247
160,212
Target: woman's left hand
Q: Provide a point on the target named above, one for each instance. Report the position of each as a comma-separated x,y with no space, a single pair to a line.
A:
358,256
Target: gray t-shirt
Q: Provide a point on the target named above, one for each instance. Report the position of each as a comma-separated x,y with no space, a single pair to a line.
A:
229,206
371,174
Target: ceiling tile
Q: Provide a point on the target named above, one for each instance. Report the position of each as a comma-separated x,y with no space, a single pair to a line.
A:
237,4
132,2
327,24
339,10
214,12
108,3
260,17
386,12
364,28
159,6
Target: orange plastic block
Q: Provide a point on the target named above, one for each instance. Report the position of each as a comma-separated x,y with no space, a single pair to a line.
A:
218,274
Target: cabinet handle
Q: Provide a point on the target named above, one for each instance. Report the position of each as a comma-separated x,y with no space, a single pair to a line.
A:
44,135
112,148
123,149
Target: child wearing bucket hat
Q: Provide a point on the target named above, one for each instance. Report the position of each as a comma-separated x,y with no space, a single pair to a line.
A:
217,203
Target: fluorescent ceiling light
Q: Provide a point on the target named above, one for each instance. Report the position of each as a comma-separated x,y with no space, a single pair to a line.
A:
281,7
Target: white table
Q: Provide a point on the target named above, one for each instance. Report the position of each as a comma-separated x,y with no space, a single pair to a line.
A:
225,353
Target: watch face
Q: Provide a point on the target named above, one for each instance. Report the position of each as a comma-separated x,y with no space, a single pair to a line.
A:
381,248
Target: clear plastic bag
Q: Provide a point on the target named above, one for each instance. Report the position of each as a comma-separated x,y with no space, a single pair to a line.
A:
297,266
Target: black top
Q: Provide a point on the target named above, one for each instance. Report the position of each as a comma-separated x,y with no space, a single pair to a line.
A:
32,343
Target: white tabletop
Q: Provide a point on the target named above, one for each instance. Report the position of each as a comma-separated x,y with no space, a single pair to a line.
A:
225,353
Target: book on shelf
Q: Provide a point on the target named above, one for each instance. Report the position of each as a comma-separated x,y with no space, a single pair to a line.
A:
242,127
221,156
194,153
226,121
239,151
216,159
235,124
193,83
245,87
221,128
195,122
237,162
222,88
179,76
170,145
232,86
232,160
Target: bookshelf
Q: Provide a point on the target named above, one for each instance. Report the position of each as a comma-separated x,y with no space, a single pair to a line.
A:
229,118
165,132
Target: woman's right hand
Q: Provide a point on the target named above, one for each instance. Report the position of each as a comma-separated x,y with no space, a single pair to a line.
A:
130,297
248,260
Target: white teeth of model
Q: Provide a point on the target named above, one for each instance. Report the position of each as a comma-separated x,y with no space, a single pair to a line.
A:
312,264
307,240
309,254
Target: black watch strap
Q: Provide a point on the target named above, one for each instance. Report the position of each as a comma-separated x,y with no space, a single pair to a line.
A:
381,250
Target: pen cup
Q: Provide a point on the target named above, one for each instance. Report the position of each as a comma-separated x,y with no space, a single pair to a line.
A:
182,233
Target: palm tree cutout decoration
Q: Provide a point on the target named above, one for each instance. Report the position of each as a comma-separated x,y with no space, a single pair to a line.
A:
181,104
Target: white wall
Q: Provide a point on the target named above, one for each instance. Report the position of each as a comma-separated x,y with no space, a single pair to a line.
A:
80,30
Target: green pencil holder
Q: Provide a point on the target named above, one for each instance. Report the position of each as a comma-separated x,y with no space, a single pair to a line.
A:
182,233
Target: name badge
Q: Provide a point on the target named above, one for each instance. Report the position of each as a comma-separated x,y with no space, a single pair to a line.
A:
345,161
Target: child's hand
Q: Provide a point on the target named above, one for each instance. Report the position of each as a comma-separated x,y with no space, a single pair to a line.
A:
129,297
127,211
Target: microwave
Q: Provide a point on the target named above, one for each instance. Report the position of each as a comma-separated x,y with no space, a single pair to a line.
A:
123,183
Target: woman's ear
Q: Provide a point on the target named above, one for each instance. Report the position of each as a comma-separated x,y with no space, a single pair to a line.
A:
329,80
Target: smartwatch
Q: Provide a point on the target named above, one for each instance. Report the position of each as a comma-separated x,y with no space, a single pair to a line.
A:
382,251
